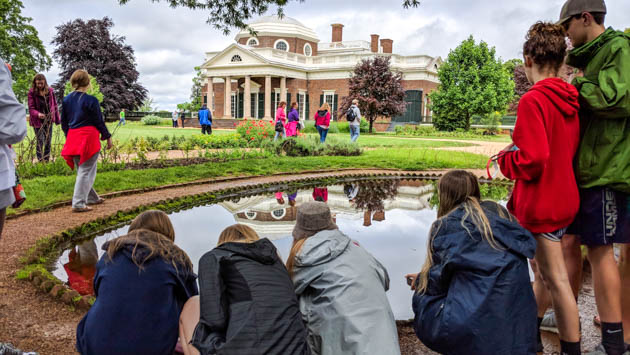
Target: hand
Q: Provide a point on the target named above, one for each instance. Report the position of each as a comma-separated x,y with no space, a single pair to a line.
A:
41,116
411,280
110,145
508,148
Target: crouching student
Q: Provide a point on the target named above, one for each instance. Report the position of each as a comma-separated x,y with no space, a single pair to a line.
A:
141,285
545,198
473,295
341,288
247,304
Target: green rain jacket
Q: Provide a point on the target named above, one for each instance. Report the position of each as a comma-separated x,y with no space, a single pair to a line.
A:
603,157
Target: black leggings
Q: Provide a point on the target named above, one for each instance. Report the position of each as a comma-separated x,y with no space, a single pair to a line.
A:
206,129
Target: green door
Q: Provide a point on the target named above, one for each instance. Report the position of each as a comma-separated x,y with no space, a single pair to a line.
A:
413,99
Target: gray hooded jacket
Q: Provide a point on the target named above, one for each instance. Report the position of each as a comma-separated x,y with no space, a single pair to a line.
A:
341,288
12,131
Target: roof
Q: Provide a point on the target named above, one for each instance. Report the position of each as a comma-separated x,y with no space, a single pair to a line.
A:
278,27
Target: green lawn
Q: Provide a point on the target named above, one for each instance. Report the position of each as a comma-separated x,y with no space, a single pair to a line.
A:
47,190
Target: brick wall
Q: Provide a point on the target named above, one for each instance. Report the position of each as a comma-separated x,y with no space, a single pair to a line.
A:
296,45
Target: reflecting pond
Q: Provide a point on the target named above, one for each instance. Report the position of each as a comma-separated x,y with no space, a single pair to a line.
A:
390,218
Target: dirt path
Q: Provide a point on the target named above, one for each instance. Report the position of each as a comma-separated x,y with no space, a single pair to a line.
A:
33,321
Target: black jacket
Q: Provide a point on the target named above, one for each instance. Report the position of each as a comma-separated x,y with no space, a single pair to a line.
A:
248,305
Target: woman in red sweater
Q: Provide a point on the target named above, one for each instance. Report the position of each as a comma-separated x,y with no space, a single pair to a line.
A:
545,198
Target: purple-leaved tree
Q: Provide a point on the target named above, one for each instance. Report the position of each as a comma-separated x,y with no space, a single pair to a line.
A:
90,46
378,89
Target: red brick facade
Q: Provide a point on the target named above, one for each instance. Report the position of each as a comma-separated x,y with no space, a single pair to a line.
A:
296,45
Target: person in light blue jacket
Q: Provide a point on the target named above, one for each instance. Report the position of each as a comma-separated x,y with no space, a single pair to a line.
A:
205,120
12,131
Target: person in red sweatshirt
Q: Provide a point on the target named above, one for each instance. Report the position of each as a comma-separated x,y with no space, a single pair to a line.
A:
545,198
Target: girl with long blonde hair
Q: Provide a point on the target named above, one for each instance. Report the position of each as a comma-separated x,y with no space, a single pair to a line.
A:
473,294
322,121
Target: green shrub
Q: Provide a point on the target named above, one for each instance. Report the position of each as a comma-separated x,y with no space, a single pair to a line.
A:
256,131
151,120
492,122
309,146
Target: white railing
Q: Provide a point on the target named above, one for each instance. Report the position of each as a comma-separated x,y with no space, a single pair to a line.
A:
343,45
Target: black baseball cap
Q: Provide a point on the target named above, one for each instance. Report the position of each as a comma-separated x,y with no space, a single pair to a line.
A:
577,7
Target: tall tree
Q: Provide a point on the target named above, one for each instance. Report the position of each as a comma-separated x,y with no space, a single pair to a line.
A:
195,91
510,66
472,82
21,47
227,14
627,31
378,89
90,46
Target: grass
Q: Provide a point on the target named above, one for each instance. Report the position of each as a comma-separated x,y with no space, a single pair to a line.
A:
47,190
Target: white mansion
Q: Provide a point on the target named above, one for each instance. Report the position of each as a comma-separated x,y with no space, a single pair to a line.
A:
287,62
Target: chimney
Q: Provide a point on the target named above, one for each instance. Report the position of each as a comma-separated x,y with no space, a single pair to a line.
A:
374,43
387,45
337,32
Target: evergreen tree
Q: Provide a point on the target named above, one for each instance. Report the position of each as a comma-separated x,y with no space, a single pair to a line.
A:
90,46
21,47
472,82
378,89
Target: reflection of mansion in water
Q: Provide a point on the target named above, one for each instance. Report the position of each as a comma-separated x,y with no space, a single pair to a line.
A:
269,218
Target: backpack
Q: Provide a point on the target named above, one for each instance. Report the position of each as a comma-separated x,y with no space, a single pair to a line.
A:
279,126
351,115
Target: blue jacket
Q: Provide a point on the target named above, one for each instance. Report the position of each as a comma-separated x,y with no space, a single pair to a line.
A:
80,110
136,311
479,300
205,117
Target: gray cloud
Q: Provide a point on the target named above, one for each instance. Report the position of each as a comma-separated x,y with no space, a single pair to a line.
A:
169,43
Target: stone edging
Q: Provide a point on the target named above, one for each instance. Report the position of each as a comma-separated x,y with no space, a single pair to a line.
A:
39,258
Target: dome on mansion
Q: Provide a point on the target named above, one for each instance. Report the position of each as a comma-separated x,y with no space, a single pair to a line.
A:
274,26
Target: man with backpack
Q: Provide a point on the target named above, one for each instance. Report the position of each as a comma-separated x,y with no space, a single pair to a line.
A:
353,115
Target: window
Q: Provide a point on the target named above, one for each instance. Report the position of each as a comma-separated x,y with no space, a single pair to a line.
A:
278,214
329,97
308,50
236,58
234,103
281,45
277,102
252,42
250,214
302,105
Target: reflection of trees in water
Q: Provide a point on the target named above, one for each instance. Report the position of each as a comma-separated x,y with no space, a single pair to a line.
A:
489,191
372,194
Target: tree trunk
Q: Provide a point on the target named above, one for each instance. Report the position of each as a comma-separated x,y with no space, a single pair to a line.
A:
371,119
467,122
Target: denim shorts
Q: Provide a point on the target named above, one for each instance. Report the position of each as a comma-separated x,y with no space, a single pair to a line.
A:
603,218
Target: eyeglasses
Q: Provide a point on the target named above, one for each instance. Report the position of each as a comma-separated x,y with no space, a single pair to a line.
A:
566,24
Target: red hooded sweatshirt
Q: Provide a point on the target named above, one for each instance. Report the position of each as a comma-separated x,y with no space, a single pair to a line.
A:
547,133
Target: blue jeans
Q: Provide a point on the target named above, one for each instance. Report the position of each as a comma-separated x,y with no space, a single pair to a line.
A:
284,134
354,133
322,134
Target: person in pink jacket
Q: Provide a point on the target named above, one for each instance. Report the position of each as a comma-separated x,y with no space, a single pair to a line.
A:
43,113
281,117
322,121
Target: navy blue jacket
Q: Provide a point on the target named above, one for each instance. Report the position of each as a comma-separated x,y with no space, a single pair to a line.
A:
80,110
136,312
479,300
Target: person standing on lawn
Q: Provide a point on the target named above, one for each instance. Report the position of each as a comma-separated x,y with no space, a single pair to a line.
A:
82,123
12,131
205,120
602,56
322,121
122,118
281,120
293,121
43,113
174,118
182,116
355,122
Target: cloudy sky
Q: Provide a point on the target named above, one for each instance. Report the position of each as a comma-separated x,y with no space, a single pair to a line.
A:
169,43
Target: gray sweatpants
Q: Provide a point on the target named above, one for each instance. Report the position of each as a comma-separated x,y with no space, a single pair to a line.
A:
86,174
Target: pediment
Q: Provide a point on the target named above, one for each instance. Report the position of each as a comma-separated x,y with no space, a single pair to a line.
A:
234,54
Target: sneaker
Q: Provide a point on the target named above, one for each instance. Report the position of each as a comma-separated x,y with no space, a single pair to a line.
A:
97,202
81,209
8,349
548,323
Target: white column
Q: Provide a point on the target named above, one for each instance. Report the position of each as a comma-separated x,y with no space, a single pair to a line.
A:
210,94
268,97
247,98
283,89
227,106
